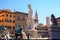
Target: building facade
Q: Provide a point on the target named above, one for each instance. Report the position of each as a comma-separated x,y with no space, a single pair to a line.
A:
42,30
48,21
11,19
7,18
58,21
21,19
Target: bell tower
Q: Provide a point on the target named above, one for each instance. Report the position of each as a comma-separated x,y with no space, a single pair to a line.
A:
36,17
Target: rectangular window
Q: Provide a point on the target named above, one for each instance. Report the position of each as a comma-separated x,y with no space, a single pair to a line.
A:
18,17
9,27
19,25
23,19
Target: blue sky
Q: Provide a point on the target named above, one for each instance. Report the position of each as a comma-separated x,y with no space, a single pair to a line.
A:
43,7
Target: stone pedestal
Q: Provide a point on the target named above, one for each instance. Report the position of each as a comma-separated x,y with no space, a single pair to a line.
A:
24,35
33,34
54,32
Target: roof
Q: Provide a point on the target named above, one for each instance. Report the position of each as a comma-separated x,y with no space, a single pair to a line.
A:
8,11
21,12
58,18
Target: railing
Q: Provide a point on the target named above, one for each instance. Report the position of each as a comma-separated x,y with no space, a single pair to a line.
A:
26,39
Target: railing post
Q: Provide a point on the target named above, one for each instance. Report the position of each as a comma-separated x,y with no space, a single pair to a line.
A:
28,35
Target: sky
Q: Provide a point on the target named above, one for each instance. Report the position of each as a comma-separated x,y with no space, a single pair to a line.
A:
44,7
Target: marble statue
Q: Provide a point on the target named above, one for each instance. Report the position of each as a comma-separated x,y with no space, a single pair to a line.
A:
30,25
6,34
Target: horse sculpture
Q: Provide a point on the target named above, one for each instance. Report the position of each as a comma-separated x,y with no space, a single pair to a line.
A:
18,32
5,32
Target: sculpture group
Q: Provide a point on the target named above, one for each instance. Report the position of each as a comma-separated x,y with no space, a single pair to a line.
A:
54,28
5,33
18,32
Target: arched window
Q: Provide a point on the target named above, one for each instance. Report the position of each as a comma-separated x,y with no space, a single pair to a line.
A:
13,21
14,16
6,15
10,15
2,20
13,27
6,26
3,15
10,20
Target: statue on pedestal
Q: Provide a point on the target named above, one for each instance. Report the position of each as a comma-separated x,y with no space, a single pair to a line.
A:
53,20
54,29
30,11
30,25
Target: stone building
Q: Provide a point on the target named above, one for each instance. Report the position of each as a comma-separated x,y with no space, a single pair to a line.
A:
58,21
7,18
42,30
48,21
11,19
21,19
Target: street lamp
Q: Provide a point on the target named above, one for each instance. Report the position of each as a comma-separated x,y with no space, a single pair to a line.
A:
28,34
